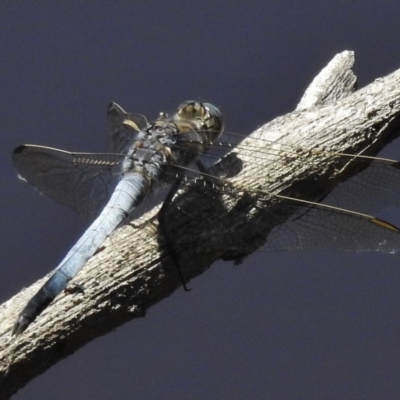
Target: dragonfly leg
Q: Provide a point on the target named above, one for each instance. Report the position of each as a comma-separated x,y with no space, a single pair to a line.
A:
228,167
161,220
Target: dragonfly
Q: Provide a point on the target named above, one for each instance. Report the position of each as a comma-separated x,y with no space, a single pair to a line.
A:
173,151
109,187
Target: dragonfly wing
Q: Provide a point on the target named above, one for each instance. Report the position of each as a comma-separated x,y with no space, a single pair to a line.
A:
374,189
122,127
317,227
83,182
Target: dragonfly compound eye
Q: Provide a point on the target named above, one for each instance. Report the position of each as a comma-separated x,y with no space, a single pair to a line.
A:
216,119
206,116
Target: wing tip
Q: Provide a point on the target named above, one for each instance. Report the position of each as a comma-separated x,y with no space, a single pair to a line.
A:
19,149
17,154
385,224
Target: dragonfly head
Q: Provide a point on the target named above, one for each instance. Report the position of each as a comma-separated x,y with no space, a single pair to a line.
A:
206,116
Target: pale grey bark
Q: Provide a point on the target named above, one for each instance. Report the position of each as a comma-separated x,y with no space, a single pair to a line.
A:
124,279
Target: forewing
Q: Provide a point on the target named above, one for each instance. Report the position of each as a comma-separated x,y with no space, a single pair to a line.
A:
375,188
317,227
81,181
346,226
372,190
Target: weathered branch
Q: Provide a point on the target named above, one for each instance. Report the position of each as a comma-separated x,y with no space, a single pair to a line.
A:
131,273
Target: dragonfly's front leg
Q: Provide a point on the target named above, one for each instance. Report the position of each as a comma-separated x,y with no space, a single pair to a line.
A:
229,166
161,219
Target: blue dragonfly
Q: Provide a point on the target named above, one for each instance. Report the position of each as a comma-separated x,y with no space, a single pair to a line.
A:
111,187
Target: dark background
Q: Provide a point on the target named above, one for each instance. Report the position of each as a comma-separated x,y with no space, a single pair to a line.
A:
305,325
